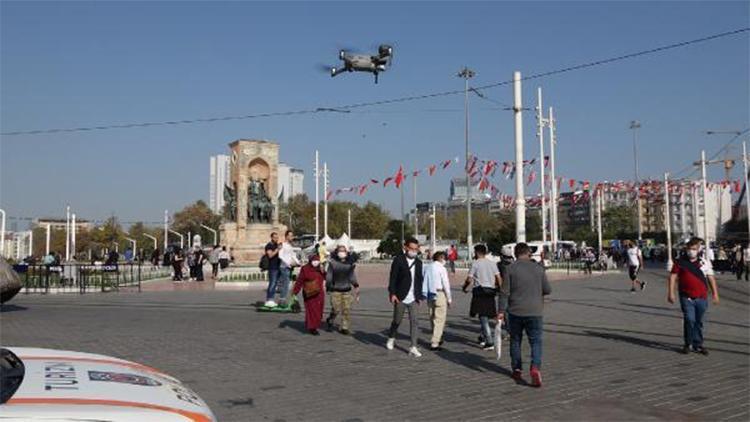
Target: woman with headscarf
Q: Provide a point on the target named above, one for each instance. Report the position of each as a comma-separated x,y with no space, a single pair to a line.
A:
310,282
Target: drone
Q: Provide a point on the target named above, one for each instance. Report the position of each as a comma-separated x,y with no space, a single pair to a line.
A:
364,62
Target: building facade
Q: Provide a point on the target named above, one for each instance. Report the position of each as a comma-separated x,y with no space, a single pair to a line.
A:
219,167
291,182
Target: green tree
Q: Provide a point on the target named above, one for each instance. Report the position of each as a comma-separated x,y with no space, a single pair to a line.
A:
391,242
190,218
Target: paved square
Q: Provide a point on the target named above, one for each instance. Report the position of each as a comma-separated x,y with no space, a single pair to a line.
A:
608,355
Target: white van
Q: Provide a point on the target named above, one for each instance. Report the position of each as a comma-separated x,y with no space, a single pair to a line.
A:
539,251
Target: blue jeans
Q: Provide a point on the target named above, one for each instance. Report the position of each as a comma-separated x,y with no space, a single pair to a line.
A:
533,328
273,280
484,322
285,276
693,311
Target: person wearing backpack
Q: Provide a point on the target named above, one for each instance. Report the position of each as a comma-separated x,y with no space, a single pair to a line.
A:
270,262
310,282
692,276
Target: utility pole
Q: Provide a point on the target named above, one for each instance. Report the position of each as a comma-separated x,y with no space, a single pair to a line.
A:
467,74
433,230
518,124
349,222
46,247
416,218
67,232
634,126
31,242
2,234
540,135
317,197
166,230
599,218
73,237
552,144
668,221
705,199
403,215
747,197
325,199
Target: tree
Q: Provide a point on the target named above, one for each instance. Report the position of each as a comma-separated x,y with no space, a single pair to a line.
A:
190,218
368,221
391,242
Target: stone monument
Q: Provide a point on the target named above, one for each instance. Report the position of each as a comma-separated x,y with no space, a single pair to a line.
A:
251,211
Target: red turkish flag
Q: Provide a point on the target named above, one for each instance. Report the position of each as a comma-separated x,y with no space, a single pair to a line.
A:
572,183
447,163
399,178
737,187
363,189
329,195
432,169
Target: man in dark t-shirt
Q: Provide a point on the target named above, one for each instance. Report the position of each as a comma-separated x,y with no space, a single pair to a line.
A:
274,263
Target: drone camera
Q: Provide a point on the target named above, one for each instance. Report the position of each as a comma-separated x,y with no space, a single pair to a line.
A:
385,50
342,54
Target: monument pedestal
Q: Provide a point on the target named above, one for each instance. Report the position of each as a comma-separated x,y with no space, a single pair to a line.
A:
247,244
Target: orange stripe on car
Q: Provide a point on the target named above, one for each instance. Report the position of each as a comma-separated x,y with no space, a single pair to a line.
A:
193,416
132,365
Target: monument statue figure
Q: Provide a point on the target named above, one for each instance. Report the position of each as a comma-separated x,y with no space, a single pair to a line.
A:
230,204
258,203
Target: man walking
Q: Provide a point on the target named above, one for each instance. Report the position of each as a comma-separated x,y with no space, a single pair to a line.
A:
635,263
484,277
405,292
522,295
452,257
287,261
340,280
274,263
436,288
213,259
693,277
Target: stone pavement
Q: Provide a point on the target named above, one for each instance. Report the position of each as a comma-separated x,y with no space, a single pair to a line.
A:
608,355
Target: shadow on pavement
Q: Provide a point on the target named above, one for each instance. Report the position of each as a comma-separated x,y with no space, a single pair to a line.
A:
296,325
12,308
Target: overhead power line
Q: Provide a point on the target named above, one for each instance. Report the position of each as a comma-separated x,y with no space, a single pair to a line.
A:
343,108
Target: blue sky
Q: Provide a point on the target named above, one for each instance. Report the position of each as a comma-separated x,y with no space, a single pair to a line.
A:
70,64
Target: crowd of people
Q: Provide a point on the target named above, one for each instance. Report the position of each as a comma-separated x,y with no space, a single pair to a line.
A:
506,297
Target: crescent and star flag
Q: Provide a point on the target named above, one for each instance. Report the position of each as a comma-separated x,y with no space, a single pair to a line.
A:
399,178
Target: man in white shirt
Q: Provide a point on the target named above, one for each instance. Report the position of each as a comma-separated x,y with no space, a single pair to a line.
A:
436,288
289,260
635,263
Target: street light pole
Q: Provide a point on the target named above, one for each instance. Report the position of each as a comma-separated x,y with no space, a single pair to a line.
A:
349,222
182,243
317,197
518,124
2,234
467,74
634,126
46,247
540,135
705,198
67,232
433,230
152,238
599,218
553,196
166,230
73,237
325,199
668,221
416,219
747,198
215,233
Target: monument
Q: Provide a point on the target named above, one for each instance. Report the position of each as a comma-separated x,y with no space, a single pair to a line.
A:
251,211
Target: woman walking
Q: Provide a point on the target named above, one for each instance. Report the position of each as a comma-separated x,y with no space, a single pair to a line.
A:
310,282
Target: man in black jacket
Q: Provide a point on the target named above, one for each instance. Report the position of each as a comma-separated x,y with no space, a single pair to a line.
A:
405,292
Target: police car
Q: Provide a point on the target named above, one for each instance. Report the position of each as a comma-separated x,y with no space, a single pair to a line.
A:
55,385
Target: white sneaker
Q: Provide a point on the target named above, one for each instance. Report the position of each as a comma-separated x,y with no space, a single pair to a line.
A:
270,304
390,343
413,351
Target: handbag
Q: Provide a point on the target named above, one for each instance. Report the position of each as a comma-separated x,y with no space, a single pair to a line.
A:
310,288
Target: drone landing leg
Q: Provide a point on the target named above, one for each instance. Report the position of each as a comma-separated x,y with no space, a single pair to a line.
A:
376,77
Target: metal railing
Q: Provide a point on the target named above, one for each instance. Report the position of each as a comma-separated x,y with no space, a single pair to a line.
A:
82,278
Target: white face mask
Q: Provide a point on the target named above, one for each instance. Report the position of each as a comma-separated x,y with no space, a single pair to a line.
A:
411,254
315,263
692,253
341,255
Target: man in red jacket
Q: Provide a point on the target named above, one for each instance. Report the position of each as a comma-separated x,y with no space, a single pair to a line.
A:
693,276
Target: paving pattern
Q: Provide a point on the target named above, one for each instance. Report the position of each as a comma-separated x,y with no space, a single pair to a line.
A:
608,355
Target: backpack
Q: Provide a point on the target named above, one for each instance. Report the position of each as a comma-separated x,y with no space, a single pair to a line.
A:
264,262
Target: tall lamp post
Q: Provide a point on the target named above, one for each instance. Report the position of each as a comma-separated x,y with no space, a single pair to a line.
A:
518,126
747,198
467,74
152,238
214,232
2,233
182,238
634,126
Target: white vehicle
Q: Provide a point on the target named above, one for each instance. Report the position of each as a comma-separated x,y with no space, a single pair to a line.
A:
539,252
56,385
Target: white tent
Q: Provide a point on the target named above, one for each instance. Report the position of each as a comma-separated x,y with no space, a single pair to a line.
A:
344,240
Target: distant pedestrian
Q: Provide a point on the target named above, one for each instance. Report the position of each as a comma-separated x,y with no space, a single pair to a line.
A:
693,278
190,262
436,288
199,258
224,258
405,293
506,260
452,257
177,259
589,258
213,259
323,252
635,263
273,266
484,280
522,295
310,282
341,279
746,261
155,259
